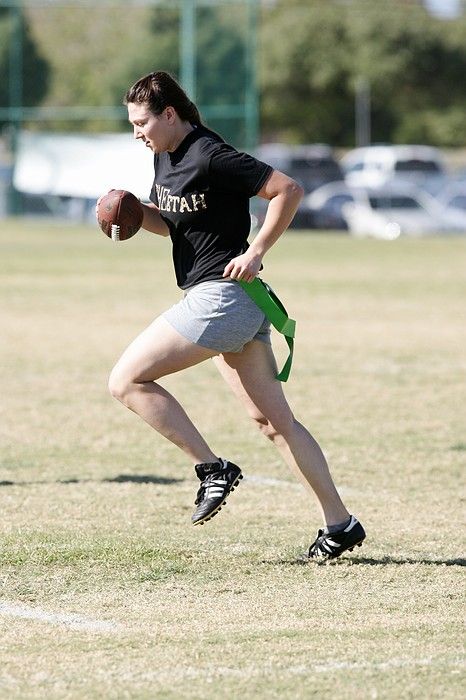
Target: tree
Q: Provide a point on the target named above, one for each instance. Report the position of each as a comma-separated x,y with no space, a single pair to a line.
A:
35,69
305,75
220,59
85,50
413,62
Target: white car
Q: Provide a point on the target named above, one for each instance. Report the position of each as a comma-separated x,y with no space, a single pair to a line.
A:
311,165
325,205
374,166
391,212
454,196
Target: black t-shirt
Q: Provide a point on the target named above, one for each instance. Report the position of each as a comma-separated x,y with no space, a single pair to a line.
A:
202,191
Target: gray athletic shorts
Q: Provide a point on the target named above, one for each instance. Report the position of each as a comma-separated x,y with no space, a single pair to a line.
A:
219,315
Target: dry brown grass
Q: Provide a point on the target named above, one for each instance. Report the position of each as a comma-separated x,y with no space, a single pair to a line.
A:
96,508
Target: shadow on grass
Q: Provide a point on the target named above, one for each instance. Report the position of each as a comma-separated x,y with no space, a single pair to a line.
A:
120,479
367,561
409,560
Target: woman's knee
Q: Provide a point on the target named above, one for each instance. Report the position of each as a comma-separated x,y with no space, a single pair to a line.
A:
119,385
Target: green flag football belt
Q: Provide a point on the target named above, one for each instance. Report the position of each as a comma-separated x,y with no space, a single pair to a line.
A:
272,307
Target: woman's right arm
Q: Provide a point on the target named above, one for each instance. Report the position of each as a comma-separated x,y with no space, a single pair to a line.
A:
152,220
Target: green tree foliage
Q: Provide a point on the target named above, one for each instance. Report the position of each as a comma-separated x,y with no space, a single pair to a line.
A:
156,48
35,72
305,74
312,53
85,49
220,60
414,63
116,48
221,66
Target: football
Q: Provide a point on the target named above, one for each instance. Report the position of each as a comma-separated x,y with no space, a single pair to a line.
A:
119,214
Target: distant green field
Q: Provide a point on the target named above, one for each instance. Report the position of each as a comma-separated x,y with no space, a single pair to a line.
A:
107,591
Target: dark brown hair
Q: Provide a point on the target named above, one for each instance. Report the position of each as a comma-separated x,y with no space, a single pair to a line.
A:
159,90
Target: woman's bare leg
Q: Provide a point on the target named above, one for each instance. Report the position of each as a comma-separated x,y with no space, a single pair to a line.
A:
160,350
251,375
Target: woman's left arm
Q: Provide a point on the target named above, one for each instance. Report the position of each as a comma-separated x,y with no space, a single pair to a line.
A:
284,195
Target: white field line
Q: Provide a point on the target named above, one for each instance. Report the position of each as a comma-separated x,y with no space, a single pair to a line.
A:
272,482
381,666
190,673
71,621
269,481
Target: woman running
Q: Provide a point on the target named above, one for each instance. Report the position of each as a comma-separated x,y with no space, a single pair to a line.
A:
200,199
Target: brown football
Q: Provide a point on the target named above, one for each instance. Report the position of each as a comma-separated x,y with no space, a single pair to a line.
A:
120,214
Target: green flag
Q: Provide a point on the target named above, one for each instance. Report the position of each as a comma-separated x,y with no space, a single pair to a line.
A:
272,307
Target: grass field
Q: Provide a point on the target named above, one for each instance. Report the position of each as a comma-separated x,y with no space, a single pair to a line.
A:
107,591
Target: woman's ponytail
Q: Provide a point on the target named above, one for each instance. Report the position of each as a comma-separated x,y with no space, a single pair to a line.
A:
159,90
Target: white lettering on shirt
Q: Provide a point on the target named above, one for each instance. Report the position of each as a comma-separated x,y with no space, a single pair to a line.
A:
184,205
163,199
198,199
175,203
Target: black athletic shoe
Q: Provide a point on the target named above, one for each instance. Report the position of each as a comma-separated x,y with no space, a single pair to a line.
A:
329,546
217,479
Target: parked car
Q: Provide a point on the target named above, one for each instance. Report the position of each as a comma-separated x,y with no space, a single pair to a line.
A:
374,166
454,195
390,212
325,206
311,165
